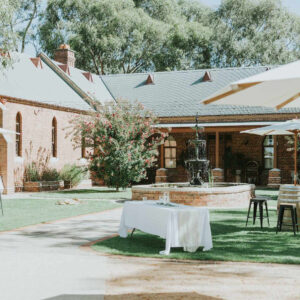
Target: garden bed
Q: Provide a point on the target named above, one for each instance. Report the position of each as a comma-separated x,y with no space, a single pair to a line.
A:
39,186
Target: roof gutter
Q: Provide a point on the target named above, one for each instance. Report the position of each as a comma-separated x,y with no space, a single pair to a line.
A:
223,124
65,78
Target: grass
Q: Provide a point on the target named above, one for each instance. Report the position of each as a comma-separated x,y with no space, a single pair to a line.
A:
41,207
232,241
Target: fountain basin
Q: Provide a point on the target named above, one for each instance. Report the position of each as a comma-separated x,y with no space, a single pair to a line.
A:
219,195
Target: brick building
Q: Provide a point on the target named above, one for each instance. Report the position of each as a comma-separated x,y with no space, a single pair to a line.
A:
41,96
40,100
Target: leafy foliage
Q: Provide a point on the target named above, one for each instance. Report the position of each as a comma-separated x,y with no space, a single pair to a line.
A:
8,38
50,174
23,22
72,173
31,172
112,36
252,32
122,142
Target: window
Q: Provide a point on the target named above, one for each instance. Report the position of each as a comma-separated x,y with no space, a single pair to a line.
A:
19,134
268,152
170,153
54,137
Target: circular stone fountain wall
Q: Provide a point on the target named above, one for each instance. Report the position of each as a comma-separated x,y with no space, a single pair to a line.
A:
219,195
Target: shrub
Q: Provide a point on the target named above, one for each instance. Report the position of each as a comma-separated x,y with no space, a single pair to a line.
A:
72,173
122,141
50,175
31,172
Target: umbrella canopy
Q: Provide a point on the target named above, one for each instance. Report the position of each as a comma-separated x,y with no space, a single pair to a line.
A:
279,87
291,127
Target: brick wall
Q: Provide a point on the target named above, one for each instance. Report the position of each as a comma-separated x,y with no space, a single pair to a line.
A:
36,140
285,160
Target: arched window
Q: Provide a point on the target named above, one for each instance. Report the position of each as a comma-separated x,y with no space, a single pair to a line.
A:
54,137
19,134
268,152
170,152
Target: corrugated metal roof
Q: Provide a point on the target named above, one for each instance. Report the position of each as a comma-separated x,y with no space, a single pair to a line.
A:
26,81
179,93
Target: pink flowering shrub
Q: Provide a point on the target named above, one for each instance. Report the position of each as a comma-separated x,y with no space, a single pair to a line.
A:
121,142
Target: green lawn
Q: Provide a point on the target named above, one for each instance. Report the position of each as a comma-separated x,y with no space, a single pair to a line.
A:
232,241
42,207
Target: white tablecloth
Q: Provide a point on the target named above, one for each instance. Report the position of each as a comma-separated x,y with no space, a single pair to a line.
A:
181,225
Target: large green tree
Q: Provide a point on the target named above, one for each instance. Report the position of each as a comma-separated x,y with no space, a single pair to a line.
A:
252,32
112,36
187,43
8,38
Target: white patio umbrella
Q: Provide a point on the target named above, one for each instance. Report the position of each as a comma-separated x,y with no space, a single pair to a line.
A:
291,127
278,87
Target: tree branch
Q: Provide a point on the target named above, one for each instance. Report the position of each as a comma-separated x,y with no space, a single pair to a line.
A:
28,25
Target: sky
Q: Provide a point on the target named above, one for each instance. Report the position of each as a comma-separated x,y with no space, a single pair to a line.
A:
292,5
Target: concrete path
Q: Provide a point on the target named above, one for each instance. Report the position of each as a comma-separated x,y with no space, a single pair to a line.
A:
45,261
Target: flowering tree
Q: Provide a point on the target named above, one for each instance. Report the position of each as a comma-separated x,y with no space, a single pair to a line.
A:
121,142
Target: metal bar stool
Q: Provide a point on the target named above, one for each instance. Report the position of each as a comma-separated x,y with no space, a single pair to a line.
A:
260,202
293,218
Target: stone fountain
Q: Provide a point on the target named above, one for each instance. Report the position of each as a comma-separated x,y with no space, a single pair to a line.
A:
197,164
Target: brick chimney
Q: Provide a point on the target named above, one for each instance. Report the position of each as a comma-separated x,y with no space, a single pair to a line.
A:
65,55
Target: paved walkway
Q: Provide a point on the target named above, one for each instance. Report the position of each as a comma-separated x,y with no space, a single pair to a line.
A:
45,262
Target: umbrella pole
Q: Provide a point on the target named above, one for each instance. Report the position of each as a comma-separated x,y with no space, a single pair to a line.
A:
295,157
